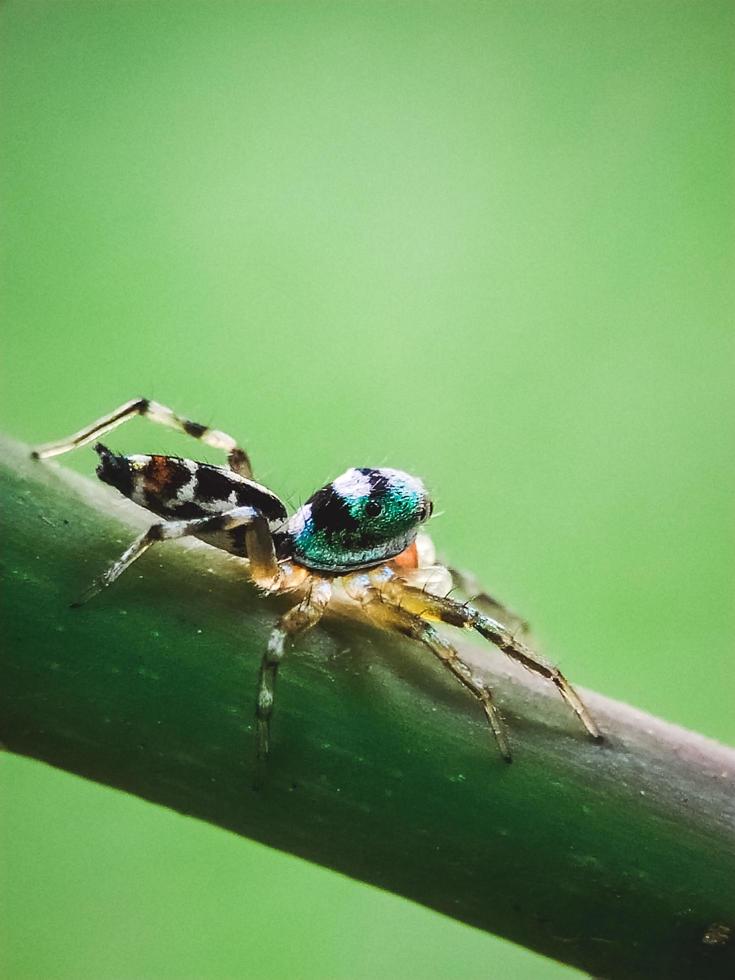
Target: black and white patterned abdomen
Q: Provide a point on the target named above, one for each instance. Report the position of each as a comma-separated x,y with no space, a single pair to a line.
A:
183,490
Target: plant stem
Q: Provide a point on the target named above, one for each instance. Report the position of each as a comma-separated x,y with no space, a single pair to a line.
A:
619,859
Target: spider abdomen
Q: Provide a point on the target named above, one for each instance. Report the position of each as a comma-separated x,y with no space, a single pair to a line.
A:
182,489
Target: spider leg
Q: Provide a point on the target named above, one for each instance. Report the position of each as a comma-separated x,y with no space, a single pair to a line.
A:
470,586
454,613
237,458
297,620
264,569
391,616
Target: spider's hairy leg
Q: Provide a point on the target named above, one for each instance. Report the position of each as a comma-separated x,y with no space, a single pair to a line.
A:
297,620
389,615
237,458
481,599
264,568
446,610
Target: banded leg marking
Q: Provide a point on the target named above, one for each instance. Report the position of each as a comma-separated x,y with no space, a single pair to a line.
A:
237,458
297,620
264,569
449,611
386,614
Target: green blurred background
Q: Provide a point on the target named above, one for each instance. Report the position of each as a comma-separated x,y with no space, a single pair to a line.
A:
490,243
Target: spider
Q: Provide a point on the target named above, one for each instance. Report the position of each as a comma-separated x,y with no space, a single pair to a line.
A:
360,532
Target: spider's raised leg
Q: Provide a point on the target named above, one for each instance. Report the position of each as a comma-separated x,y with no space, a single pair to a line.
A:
454,613
297,620
237,458
390,616
264,568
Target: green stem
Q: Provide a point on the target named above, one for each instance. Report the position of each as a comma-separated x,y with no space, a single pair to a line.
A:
619,859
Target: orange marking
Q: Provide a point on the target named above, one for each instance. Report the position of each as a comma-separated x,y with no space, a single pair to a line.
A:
408,558
158,472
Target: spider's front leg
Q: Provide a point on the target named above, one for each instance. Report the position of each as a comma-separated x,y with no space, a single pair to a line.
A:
481,599
418,566
446,610
264,569
237,458
390,615
297,620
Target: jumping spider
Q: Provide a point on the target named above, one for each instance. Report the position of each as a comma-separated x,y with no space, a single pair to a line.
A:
361,530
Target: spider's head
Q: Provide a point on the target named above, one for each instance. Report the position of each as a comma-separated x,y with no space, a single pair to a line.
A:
361,519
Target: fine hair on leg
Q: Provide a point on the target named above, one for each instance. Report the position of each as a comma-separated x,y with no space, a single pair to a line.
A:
446,610
481,599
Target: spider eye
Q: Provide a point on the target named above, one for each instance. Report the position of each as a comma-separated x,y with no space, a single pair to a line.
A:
426,511
373,508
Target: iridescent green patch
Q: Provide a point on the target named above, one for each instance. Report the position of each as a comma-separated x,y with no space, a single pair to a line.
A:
363,518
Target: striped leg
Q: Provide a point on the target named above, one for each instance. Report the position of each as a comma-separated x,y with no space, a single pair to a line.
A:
264,568
237,458
297,620
393,617
454,613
